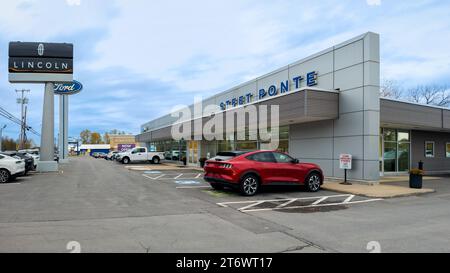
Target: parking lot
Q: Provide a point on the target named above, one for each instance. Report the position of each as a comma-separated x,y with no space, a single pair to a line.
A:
109,207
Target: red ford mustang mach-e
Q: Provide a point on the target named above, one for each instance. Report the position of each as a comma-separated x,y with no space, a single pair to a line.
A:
248,171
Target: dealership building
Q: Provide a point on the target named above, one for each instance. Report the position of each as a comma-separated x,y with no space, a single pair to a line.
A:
329,105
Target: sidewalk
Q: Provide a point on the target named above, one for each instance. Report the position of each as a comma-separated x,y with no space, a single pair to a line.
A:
375,191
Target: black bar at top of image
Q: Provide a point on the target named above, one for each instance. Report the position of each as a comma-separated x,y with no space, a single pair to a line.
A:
50,50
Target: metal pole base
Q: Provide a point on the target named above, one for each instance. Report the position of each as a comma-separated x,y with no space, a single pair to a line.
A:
47,166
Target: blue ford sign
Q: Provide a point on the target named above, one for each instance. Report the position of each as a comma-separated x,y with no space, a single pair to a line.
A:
68,88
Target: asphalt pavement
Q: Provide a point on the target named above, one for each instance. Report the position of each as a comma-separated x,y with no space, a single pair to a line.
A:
101,206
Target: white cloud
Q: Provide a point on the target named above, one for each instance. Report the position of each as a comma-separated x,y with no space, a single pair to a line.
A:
373,2
45,19
204,45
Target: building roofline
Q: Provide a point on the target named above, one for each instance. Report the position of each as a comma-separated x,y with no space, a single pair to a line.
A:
417,104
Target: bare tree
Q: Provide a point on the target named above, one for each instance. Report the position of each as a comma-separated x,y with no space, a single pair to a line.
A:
438,95
391,89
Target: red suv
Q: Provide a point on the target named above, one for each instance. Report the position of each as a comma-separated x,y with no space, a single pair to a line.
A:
248,171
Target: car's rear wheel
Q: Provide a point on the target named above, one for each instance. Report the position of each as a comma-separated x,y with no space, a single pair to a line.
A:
156,160
313,182
5,176
249,185
216,186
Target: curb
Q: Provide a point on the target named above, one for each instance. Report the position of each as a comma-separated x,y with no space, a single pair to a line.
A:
384,197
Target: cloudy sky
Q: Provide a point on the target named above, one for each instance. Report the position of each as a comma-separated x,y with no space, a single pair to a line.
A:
138,58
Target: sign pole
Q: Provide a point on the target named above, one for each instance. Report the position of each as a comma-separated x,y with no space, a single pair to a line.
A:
63,128
345,162
47,152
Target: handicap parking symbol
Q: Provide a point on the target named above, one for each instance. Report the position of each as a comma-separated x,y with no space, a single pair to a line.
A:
187,182
152,172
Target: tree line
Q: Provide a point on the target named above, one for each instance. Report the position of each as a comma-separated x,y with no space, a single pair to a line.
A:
91,137
9,144
430,94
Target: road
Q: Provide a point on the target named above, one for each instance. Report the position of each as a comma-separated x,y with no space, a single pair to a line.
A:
106,207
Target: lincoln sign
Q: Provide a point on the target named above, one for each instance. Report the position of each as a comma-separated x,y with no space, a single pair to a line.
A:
40,62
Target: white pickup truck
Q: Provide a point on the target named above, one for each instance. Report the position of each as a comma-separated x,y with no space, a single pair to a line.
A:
139,154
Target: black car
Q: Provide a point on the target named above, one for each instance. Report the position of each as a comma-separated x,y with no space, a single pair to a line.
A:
29,161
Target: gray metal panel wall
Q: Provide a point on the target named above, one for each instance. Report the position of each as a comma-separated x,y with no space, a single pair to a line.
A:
410,114
446,117
440,162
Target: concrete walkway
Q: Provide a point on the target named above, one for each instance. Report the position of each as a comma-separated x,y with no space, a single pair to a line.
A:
375,191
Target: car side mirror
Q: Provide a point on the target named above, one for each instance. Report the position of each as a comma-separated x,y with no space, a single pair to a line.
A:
295,161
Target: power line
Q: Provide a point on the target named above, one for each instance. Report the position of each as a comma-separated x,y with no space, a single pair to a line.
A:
12,118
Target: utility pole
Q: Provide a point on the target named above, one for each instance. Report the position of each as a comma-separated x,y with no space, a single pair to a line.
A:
1,136
22,101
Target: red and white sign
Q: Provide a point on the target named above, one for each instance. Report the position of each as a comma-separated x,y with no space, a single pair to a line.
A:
345,161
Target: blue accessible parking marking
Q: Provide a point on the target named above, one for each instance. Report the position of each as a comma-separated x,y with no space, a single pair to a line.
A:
187,182
152,172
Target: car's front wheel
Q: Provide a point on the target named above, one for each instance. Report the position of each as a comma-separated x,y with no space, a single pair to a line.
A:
5,176
249,185
126,160
313,182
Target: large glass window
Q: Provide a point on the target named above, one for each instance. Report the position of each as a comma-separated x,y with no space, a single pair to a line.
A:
396,147
447,150
403,157
390,156
246,145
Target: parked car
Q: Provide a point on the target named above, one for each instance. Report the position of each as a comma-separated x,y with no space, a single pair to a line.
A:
110,155
115,156
248,171
29,161
101,155
139,154
10,168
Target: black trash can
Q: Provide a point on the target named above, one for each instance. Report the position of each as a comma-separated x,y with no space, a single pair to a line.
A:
415,181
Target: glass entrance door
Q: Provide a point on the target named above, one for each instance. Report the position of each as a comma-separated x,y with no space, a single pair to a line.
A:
396,149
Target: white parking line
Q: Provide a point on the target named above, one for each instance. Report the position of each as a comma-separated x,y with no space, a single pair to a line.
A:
249,206
280,200
252,205
287,203
199,175
312,206
350,198
320,201
180,175
153,178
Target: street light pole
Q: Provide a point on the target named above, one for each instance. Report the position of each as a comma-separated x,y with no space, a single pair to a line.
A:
1,136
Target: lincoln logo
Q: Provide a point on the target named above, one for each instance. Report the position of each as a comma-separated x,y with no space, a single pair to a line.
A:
40,49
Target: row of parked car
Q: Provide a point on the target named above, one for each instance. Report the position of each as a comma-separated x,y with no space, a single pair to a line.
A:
138,154
17,163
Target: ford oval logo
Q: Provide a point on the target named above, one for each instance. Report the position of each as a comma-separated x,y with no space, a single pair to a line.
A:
69,88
